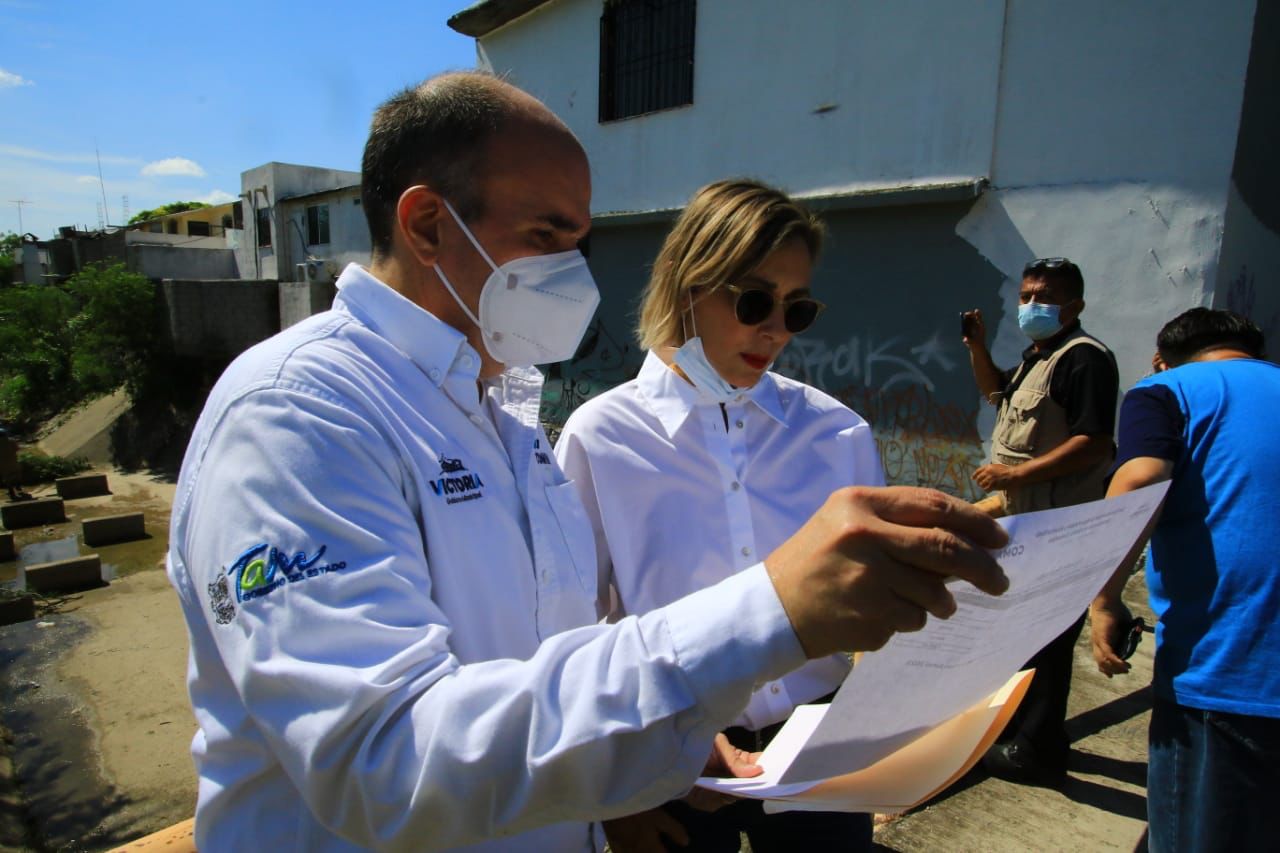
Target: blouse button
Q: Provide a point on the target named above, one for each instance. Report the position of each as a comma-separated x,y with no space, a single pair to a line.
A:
735,485
746,552
739,423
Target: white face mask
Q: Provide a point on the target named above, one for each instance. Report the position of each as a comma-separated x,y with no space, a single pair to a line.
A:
691,358
533,310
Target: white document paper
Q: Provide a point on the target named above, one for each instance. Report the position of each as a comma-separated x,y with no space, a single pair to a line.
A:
1056,562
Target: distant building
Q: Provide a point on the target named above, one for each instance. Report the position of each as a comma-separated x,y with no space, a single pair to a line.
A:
302,223
187,226
946,144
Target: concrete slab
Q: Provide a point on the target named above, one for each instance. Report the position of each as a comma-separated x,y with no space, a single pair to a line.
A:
107,529
82,486
32,513
8,551
19,609
61,575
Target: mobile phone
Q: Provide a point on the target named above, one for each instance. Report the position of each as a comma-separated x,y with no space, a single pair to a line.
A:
1132,637
967,322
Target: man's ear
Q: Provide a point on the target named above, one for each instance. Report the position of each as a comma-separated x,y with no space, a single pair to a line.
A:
1076,308
418,215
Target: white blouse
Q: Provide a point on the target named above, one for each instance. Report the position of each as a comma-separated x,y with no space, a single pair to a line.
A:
683,492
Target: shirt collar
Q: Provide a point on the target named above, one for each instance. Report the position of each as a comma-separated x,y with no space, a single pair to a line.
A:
672,399
434,346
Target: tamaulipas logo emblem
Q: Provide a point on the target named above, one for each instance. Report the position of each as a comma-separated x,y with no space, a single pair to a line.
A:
456,484
261,570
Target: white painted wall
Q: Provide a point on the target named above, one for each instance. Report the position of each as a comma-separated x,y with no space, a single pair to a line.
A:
1108,129
1116,133
1147,254
1098,90
348,232
913,81
282,181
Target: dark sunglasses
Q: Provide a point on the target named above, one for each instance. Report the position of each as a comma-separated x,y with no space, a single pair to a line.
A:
1046,264
753,306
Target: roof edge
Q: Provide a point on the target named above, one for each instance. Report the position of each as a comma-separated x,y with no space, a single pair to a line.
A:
896,196
486,16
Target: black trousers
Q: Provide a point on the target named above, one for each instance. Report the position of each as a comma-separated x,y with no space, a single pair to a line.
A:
1040,719
787,832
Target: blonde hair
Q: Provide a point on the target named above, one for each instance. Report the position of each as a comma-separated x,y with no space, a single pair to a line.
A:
725,232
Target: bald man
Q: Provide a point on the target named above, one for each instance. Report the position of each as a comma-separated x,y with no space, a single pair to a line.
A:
390,585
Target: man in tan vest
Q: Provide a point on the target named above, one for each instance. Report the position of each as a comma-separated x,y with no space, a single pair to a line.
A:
1051,447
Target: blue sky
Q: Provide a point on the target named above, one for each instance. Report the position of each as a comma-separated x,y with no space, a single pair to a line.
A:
180,99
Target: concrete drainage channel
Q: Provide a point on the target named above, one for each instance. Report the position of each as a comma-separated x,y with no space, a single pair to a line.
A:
53,800
53,796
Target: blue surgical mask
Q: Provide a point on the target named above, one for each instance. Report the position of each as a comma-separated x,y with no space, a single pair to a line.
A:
1038,320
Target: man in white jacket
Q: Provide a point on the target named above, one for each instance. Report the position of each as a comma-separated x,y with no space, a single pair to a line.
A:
388,583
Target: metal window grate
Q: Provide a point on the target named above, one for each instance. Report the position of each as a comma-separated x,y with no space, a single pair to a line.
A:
317,224
646,56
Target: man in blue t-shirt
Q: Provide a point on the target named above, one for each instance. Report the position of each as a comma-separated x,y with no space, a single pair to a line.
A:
1207,424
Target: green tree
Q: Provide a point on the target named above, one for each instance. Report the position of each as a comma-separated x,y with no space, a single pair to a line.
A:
116,330
8,243
165,210
35,351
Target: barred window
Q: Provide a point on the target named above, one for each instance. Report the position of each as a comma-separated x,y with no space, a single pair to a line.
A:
646,56
262,224
317,224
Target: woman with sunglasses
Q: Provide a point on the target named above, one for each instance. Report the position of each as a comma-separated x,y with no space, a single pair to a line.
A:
708,460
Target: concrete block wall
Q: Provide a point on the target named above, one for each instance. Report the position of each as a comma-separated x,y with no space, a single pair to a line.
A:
82,486
300,299
32,513
75,573
107,529
220,318
14,610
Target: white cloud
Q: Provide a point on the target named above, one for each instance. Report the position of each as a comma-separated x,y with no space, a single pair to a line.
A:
173,166
217,197
86,179
9,80
51,157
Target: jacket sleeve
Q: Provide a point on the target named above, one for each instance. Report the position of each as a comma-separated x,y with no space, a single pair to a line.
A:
347,669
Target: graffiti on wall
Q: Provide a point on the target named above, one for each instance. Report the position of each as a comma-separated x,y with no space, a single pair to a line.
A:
898,385
602,361
1242,298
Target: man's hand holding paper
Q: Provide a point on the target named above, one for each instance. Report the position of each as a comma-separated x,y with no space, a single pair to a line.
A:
873,562
1055,560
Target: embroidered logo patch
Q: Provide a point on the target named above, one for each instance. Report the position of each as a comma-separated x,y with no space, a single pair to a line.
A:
455,484
220,601
260,571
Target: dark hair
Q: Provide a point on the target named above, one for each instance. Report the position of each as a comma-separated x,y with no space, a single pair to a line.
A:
434,133
1058,273
1204,329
